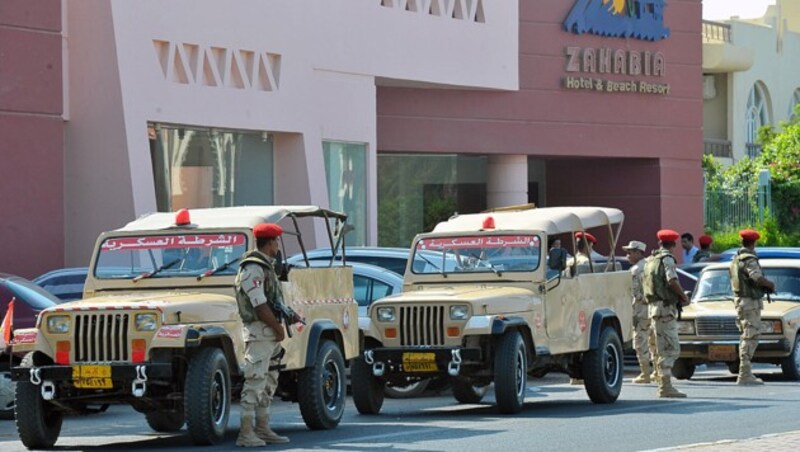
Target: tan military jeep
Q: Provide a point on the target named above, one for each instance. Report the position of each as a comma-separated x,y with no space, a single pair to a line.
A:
708,331
482,304
159,329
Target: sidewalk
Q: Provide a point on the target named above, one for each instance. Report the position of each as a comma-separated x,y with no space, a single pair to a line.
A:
789,441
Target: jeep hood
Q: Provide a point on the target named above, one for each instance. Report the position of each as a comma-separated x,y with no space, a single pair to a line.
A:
484,299
193,307
726,308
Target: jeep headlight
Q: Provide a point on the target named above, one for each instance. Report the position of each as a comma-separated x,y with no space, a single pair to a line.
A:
146,322
386,314
686,327
58,324
459,312
771,327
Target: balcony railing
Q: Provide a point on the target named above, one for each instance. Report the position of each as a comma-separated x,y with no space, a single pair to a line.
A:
718,148
716,32
753,150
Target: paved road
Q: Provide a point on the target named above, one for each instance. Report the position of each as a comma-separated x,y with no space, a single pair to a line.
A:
557,416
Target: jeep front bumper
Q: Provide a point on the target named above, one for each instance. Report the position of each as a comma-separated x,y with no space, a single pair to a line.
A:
420,361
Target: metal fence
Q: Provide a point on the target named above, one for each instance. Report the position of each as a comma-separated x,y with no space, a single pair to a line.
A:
736,208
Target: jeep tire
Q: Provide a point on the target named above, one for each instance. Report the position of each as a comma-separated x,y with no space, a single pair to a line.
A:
207,396
683,369
7,392
166,421
510,372
466,392
321,390
603,368
791,364
412,389
367,389
38,422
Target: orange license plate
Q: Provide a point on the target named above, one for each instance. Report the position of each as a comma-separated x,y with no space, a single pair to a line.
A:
419,362
92,377
722,353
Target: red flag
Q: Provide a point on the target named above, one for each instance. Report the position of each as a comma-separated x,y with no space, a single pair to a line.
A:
8,323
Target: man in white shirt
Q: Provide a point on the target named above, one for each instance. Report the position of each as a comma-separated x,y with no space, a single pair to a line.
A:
689,250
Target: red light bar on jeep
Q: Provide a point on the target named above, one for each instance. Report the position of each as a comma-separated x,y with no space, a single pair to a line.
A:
182,218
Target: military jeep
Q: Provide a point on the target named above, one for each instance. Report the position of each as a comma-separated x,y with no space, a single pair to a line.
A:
483,304
159,328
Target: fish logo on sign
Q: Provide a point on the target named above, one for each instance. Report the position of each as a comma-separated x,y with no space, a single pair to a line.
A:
638,19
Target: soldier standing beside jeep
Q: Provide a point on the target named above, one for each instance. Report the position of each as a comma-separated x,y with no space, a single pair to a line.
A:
643,336
749,286
664,295
257,287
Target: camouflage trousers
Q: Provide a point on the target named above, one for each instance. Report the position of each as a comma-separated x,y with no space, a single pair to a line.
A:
665,322
644,336
748,312
260,383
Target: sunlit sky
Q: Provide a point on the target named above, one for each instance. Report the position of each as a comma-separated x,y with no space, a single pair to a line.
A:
724,9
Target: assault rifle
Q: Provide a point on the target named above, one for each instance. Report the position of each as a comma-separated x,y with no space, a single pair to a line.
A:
768,293
287,315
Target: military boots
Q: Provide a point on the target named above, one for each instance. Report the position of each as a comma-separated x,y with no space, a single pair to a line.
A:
746,377
264,432
667,391
247,437
644,376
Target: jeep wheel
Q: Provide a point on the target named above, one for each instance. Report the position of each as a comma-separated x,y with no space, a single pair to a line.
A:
791,364
683,369
321,389
207,396
510,372
466,392
7,389
603,368
733,367
367,389
38,422
166,421
408,391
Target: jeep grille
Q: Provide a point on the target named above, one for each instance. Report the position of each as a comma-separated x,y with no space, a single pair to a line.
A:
101,337
422,325
717,326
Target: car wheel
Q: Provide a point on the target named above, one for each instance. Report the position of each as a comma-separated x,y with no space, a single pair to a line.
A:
510,372
166,421
368,390
207,396
411,390
683,369
38,422
791,364
7,396
466,392
321,389
603,368
733,367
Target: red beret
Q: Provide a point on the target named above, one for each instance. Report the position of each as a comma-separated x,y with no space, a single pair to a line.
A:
589,237
668,235
705,240
267,230
749,234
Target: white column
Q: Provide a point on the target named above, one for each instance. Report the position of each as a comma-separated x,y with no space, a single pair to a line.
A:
507,180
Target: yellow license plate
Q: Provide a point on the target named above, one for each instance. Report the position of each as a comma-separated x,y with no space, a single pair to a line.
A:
722,353
92,377
419,362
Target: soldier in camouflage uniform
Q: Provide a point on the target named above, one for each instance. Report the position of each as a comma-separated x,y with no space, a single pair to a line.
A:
749,286
257,287
664,294
644,339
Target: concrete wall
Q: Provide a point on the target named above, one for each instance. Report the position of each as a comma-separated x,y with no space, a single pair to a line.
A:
31,130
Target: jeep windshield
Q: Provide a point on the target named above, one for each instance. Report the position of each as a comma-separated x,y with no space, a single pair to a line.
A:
169,256
477,254
715,285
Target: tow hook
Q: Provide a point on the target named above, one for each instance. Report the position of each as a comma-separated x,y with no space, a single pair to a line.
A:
140,383
454,366
36,377
378,369
48,390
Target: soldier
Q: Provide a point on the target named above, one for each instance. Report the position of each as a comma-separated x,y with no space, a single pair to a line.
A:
749,286
257,287
705,249
644,339
664,295
581,263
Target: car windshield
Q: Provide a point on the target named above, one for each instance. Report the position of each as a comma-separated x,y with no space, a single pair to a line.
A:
477,254
715,285
168,256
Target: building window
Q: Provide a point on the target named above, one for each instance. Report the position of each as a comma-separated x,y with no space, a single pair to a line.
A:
793,105
205,167
416,192
346,175
757,115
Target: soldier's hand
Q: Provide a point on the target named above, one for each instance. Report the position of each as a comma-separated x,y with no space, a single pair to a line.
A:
297,319
280,333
